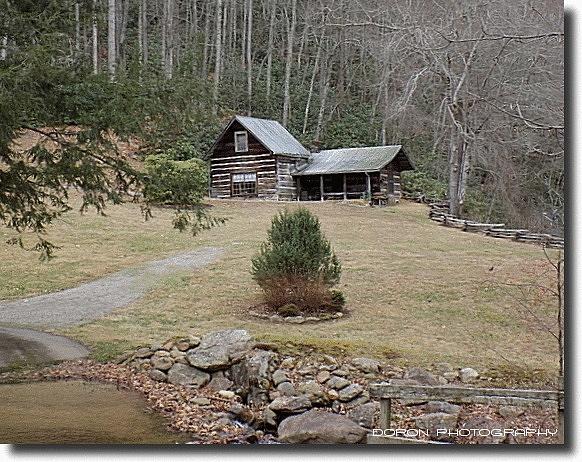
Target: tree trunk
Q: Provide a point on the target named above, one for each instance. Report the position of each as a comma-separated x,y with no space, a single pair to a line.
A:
164,35
224,35
94,39
77,28
169,61
249,57
140,33
270,46
111,42
120,34
3,48
312,83
244,36
144,32
289,63
323,98
218,52
206,40
458,170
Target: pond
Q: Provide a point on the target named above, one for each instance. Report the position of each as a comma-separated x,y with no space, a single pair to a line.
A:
78,412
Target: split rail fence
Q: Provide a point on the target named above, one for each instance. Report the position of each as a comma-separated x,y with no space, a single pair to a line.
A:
438,211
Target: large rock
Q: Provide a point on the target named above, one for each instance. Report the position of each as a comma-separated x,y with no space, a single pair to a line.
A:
252,376
314,391
468,375
364,414
422,376
366,365
337,383
435,421
442,406
290,404
321,427
143,353
350,392
219,382
157,375
287,389
220,350
279,376
181,374
163,363
491,429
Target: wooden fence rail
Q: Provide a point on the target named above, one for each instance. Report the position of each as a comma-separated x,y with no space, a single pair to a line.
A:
386,392
439,212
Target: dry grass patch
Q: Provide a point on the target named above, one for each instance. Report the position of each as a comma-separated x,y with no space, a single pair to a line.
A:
418,293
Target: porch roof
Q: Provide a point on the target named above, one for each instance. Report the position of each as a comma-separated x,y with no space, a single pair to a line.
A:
352,160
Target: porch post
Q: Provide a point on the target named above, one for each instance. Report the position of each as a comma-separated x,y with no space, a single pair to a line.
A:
321,186
369,186
345,188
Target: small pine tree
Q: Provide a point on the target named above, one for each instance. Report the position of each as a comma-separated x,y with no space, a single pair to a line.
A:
297,264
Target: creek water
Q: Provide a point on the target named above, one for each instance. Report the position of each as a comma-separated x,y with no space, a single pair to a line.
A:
77,413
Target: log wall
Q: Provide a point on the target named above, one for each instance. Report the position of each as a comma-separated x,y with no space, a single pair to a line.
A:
225,161
286,186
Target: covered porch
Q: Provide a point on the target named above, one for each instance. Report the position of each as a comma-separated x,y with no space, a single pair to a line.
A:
371,173
343,186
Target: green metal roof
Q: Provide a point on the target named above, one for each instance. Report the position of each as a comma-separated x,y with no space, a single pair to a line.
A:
273,136
352,160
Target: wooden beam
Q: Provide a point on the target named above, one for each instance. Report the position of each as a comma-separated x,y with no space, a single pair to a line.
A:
369,186
465,394
345,188
321,186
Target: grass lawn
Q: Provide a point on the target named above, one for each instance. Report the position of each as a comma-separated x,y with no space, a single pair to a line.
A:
418,293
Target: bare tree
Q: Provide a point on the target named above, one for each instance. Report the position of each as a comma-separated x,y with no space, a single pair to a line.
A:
77,28
249,56
272,12
111,42
289,63
218,53
94,39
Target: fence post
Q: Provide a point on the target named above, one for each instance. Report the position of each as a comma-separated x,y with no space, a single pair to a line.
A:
385,413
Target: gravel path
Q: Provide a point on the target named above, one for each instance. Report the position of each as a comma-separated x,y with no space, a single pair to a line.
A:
94,299
25,345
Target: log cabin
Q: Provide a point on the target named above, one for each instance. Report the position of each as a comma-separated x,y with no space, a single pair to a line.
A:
259,158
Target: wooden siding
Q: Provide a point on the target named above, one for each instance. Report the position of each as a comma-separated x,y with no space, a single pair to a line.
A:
225,161
390,181
286,185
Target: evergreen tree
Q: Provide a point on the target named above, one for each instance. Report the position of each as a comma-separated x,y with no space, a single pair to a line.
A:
296,264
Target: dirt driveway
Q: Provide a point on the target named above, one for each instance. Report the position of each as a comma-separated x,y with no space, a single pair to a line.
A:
94,299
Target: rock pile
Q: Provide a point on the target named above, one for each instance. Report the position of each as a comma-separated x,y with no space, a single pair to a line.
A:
297,398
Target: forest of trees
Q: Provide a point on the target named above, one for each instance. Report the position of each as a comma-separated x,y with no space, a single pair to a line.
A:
473,89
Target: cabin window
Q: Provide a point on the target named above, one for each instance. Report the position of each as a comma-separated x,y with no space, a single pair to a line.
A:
241,142
244,184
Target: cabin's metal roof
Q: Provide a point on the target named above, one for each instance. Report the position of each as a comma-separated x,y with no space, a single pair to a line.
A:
273,136
351,160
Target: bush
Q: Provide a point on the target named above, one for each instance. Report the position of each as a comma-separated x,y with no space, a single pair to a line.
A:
175,182
289,310
296,264
418,182
338,299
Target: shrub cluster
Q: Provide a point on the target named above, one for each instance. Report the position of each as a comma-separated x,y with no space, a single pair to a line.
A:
175,182
296,266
